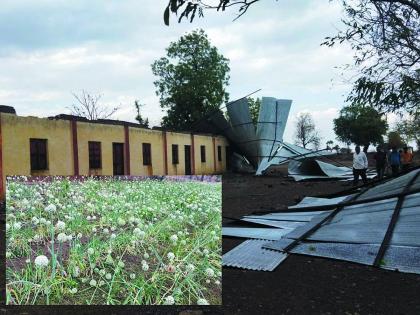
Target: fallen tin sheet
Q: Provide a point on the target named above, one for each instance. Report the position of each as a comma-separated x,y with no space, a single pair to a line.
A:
313,169
250,255
356,232
258,233
314,201
275,223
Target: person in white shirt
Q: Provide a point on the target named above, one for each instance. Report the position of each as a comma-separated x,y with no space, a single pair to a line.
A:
360,165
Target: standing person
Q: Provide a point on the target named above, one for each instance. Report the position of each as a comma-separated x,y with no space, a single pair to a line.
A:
406,159
360,165
380,158
395,161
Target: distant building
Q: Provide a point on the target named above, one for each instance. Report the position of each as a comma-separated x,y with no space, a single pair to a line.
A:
71,145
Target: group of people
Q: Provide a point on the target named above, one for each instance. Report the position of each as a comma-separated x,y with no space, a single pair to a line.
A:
396,160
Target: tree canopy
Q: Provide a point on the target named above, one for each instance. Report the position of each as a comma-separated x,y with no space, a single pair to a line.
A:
361,125
191,80
254,109
409,129
306,132
384,36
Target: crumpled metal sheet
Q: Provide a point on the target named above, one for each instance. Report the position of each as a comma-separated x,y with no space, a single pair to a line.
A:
250,255
287,216
272,121
314,201
258,233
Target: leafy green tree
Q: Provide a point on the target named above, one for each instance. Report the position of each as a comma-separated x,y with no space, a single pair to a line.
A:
385,38
305,132
409,129
394,140
139,118
254,109
361,125
329,144
192,80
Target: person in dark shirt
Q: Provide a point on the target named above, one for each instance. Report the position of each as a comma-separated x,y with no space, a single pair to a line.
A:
380,158
395,161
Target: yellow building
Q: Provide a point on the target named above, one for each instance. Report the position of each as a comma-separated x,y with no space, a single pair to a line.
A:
69,145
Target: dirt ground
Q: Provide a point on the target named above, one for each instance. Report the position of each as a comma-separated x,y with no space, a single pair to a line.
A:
304,284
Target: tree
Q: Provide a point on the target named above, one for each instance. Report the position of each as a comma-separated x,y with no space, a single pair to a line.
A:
394,140
192,80
329,144
189,8
409,129
385,38
337,148
361,125
254,109
305,131
139,118
88,106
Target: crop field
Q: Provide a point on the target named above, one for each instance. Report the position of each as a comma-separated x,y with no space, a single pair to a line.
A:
113,242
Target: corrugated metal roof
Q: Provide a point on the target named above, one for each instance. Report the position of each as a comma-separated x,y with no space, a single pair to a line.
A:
250,255
258,233
357,232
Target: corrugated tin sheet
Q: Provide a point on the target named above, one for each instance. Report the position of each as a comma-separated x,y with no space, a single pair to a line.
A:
314,201
275,223
258,233
250,255
356,232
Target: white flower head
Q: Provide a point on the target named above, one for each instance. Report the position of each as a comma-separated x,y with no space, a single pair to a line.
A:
146,256
108,276
190,268
41,261
145,267
92,283
132,276
105,230
121,264
174,238
90,251
169,300
113,236
17,225
171,256
60,225
121,222
50,208
73,291
202,302
139,233
209,272
62,237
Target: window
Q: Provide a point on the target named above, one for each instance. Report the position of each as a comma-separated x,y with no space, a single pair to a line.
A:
175,154
95,155
219,153
147,154
203,153
38,148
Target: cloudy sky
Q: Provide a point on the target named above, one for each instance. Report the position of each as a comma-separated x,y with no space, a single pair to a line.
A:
51,48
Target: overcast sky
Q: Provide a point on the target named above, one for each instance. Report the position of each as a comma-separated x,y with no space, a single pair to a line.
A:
51,48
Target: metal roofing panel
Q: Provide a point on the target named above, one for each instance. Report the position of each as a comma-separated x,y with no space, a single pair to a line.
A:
258,233
251,255
360,253
314,201
275,223
403,258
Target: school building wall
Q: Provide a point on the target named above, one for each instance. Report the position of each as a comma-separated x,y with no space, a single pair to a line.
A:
68,153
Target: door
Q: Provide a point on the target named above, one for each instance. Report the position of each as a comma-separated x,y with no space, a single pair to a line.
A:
118,158
187,151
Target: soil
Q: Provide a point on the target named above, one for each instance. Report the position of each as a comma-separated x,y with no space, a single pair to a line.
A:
305,284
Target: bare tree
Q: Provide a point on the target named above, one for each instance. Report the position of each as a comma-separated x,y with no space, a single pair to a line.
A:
88,106
139,117
305,131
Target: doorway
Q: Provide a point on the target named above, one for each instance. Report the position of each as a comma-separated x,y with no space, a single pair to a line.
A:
118,158
187,152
